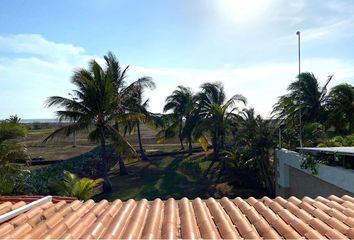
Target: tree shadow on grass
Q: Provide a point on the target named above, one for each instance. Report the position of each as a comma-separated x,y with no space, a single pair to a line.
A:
177,177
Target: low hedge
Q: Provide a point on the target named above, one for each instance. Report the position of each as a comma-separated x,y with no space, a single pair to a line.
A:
86,165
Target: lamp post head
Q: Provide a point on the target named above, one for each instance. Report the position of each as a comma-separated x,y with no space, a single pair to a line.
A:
298,33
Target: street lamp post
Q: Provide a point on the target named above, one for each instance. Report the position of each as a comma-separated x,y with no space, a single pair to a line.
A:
299,100
74,133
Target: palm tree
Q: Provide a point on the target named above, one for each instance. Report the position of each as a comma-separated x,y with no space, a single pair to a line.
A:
129,100
340,107
95,109
311,96
182,104
307,95
139,107
215,113
13,119
257,138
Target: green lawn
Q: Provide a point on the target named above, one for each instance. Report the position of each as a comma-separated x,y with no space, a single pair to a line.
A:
161,177
178,176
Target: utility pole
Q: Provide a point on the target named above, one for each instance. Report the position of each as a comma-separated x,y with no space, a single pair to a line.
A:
299,97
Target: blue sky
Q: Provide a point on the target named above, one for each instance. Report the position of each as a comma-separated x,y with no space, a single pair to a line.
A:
250,46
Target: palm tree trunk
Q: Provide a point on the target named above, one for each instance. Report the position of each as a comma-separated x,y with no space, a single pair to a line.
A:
142,152
181,141
208,169
222,135
107,186
222,146
222,165
190,147
122,169
180,135
216,147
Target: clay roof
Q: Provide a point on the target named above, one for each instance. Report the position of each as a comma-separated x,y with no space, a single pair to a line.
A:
331,217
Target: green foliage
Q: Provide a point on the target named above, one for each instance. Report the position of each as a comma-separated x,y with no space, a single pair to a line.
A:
10,151
10,131
304,93
85,165
254,147
13,119
12,179
340,108
215,114
100,103
321,113
181,122
313,134
338,141
310,162
72,186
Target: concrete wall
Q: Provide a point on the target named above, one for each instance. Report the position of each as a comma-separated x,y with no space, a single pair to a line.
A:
292,180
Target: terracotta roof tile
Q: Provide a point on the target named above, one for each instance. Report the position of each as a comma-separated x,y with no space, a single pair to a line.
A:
222,220
334,234
5,207
117,225
348,198
152,228
294,200
349,221
301,227
189,228
350,233
335,198
251,201
137,220
169,229
312,234
280,200
244,227
309,218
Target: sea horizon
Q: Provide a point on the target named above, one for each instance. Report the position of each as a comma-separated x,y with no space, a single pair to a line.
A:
39,120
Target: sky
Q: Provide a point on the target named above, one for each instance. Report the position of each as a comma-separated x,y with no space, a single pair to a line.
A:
250,46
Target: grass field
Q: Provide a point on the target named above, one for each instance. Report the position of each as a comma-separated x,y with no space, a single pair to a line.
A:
176,175
180,176
62,148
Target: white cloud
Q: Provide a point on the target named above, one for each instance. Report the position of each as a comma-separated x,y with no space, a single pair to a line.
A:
37,45
261,83
36,68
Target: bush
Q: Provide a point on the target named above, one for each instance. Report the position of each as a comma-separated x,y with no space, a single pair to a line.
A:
72,186
12,179
338,141
86,165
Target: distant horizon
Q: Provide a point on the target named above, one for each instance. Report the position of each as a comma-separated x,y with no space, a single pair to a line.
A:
39,120
36,120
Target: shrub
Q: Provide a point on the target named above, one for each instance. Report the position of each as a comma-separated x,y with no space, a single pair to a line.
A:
86,165
12,179
72,186
338,141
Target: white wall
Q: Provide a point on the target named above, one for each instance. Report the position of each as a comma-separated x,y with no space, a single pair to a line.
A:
338,176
